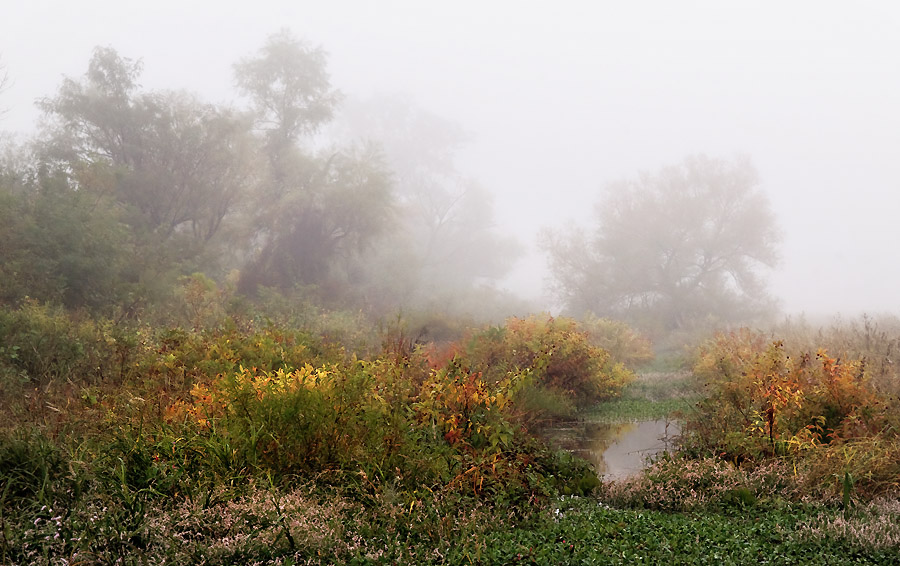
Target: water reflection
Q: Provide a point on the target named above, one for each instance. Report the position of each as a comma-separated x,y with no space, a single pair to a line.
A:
617,450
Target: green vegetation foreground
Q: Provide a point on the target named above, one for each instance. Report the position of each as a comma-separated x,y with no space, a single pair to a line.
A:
252,443
108,429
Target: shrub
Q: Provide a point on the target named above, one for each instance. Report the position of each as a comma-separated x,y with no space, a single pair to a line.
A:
562,362
623,343
819,410
391,420
762,394
873,340
465,409
46,343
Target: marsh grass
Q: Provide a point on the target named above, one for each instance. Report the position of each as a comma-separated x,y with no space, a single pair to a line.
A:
653,395
262,523
399,463
677,484
678,512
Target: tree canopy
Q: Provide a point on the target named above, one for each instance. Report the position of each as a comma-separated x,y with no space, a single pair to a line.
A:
671,249
288,84
127,190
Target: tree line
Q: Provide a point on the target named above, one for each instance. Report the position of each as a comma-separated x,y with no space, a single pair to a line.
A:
348,203
127,189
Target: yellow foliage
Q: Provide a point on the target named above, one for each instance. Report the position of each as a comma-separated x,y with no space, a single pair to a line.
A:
757,392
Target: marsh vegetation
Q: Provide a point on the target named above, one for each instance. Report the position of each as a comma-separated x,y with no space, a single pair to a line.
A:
264,333
249,442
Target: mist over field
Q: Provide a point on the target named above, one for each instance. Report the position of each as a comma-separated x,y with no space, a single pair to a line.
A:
551,103
397,282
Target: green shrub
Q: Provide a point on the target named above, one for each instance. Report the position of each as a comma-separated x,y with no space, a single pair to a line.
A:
47,343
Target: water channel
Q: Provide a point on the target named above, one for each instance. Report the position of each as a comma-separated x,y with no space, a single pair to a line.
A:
617,450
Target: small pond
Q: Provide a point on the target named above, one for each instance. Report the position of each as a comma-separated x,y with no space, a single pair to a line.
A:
617,450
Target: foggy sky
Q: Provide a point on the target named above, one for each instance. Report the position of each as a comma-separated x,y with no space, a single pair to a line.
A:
562,98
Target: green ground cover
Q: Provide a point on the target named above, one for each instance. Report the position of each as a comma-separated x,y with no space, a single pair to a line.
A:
588,532
260,524
653,395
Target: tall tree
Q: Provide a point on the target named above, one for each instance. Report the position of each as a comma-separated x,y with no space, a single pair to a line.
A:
195,165
94,117
289,87
327,216
173,169
671,249
179,165
313,210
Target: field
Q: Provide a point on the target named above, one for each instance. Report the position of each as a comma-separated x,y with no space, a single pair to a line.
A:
257,444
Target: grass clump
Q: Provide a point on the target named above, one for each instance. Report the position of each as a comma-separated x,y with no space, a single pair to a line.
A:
678,484
875,525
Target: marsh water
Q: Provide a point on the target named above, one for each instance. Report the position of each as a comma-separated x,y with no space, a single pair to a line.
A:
617,450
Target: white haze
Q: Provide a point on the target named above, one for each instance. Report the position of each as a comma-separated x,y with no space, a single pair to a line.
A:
562,97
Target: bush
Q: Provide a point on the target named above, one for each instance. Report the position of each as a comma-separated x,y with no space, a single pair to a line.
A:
46,343
559,358
873,340
392,420
821,411
196,408
623,343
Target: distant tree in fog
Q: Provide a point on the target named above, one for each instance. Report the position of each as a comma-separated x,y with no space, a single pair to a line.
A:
314,210
445,241
178,164
172,169
672,249
288,84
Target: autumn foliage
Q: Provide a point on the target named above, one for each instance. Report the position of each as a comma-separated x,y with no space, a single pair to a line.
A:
764,401
557,354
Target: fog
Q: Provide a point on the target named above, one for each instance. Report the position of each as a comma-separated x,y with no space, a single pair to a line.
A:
559,99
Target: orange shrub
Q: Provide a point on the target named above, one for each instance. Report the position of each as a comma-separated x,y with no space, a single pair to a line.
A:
556,353
762,401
